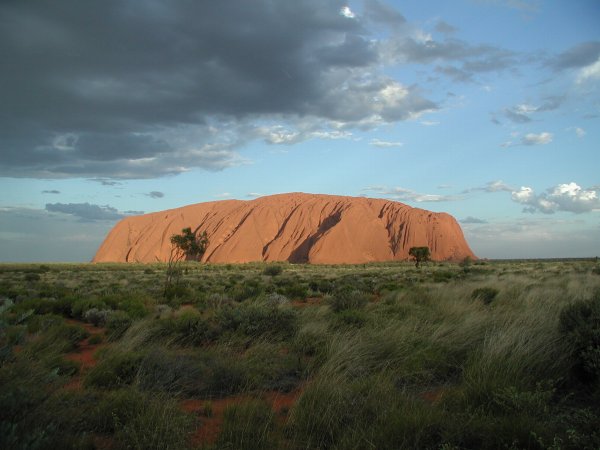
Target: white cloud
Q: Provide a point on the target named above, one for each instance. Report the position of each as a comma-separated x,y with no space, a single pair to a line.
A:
492,186
524,108
402,194
580,132
529,139
347,12
385,144
299,132
589,73
563,197
537,139
429,123
523,195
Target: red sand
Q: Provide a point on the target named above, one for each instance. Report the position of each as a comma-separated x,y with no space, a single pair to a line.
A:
210,427
299,228
84,354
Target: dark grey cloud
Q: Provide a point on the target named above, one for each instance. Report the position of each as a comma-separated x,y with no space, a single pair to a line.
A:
471,219
522,113
472,58
51,191
87,211
445,28
155,194
130,89
455,73
381,13
578,56
106,182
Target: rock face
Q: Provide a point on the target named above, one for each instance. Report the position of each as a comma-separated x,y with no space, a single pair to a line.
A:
299,228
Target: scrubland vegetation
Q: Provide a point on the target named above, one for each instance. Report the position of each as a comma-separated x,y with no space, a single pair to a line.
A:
483,355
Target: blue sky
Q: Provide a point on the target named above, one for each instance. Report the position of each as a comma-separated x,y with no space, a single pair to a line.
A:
485,109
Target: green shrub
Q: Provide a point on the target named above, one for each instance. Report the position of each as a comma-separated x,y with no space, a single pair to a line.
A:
323,286
178,374
259,320
160,424
61,337
96,316
117,324
114,370
348,299
32,277
580,323
267,369
351,317
95,339
81,306
247,426
273,270
485,294
187,329
247,289
114,408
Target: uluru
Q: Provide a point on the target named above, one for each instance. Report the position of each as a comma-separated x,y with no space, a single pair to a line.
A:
296,227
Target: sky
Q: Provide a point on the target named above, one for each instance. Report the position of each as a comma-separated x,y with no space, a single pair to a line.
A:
485,109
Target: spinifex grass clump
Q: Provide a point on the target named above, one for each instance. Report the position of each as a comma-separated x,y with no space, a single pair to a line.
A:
580,324
485,294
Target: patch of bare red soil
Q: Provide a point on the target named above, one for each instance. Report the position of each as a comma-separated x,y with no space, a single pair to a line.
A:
84,354
310,301
211,424
433,395
211,414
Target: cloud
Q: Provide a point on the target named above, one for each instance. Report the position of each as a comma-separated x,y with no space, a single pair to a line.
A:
87,211
523,5
516,116
522,112
589,73
347,12
579,56
492,186
534,237
537,139
385,144
253,195
381,13
53,191
563,197
176,86
72,239
531,139
580,132
471,219
155,194
445,28
402,194
105,182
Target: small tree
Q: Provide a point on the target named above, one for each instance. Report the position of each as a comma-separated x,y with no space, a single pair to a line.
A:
419,254
186,246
